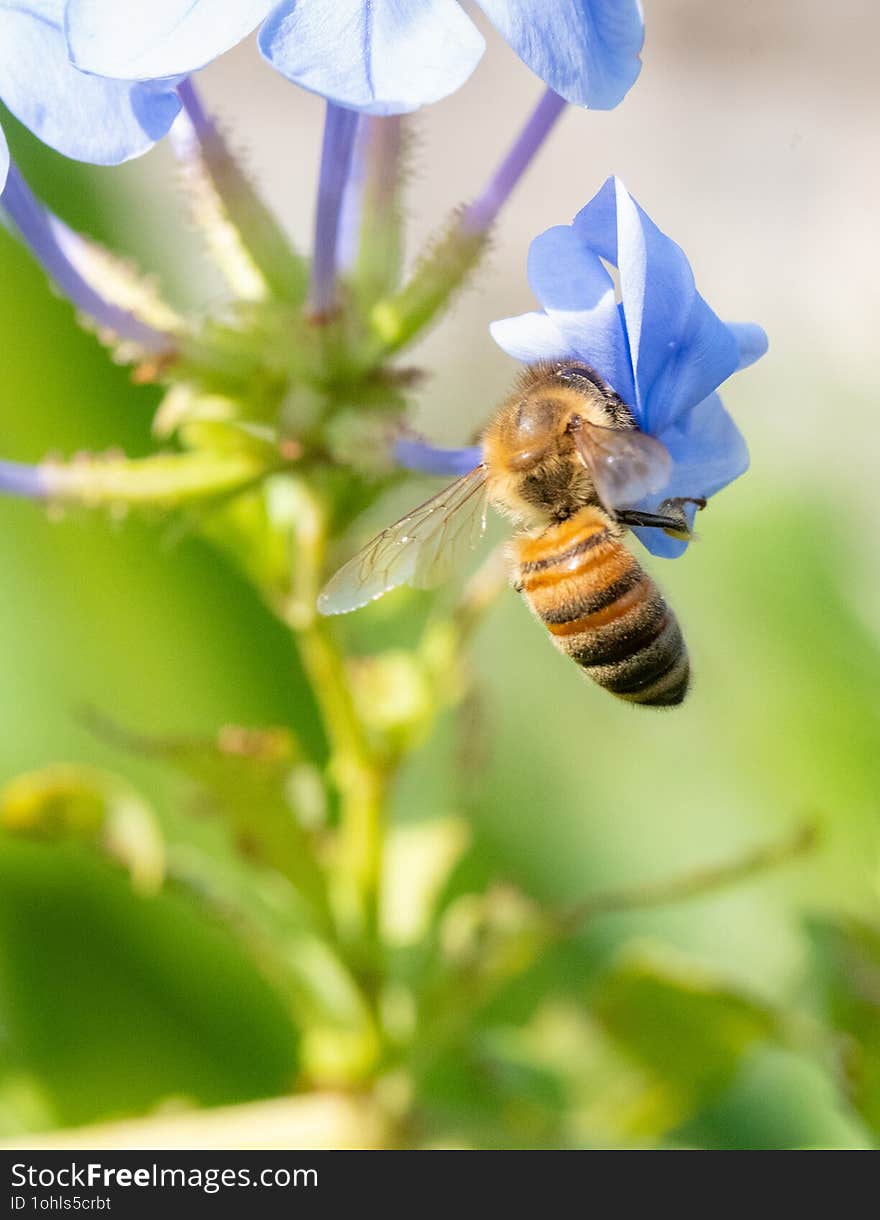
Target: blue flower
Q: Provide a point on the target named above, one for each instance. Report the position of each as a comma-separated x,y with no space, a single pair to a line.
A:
65,257
660,346
381,58
82,116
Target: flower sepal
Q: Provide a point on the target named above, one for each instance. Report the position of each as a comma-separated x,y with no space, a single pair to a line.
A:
162,482
442,269
245,241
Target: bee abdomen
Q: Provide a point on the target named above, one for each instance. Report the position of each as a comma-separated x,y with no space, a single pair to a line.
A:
606,613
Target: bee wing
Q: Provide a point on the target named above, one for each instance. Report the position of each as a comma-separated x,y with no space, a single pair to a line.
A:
625,465
421,549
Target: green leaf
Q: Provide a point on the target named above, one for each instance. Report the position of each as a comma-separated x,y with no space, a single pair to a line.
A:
81,804
257,780
338,1033
115,1003
687,1026
561,1068
847,957
419,860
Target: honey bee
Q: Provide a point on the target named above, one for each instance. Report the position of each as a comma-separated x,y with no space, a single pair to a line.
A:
562,457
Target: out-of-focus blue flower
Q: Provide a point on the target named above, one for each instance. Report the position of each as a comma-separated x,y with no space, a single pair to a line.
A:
660,347
85,117
428,459
64,256
20,479
381,58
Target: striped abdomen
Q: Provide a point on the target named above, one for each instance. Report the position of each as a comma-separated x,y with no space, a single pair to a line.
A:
602,609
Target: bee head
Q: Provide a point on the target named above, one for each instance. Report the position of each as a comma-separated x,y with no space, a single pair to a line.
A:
599,403
532,430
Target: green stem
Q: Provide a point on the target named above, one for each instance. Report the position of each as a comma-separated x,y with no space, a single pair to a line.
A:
691,885
452,1003
358,773
309,971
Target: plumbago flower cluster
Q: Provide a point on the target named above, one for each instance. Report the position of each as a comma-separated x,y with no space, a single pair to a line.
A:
285,416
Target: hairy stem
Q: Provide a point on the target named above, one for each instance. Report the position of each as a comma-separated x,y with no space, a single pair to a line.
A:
450,258
442,269
52,243
163,480
249,245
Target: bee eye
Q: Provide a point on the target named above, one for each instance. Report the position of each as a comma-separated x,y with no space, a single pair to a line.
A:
579,374
574,422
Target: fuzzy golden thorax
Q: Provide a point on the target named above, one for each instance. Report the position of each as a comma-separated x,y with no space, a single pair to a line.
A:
534,473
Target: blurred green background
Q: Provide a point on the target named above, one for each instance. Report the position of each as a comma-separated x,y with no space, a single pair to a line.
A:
113,1004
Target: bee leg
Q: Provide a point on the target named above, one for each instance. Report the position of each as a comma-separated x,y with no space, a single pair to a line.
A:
674,508
670,517
674,505
633,517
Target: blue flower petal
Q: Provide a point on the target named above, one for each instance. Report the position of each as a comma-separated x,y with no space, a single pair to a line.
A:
661,328
751,340
157,37
708,452
578,294
679,348
662,545
86,117
586,50
381,59
4,160
417,455
529,337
